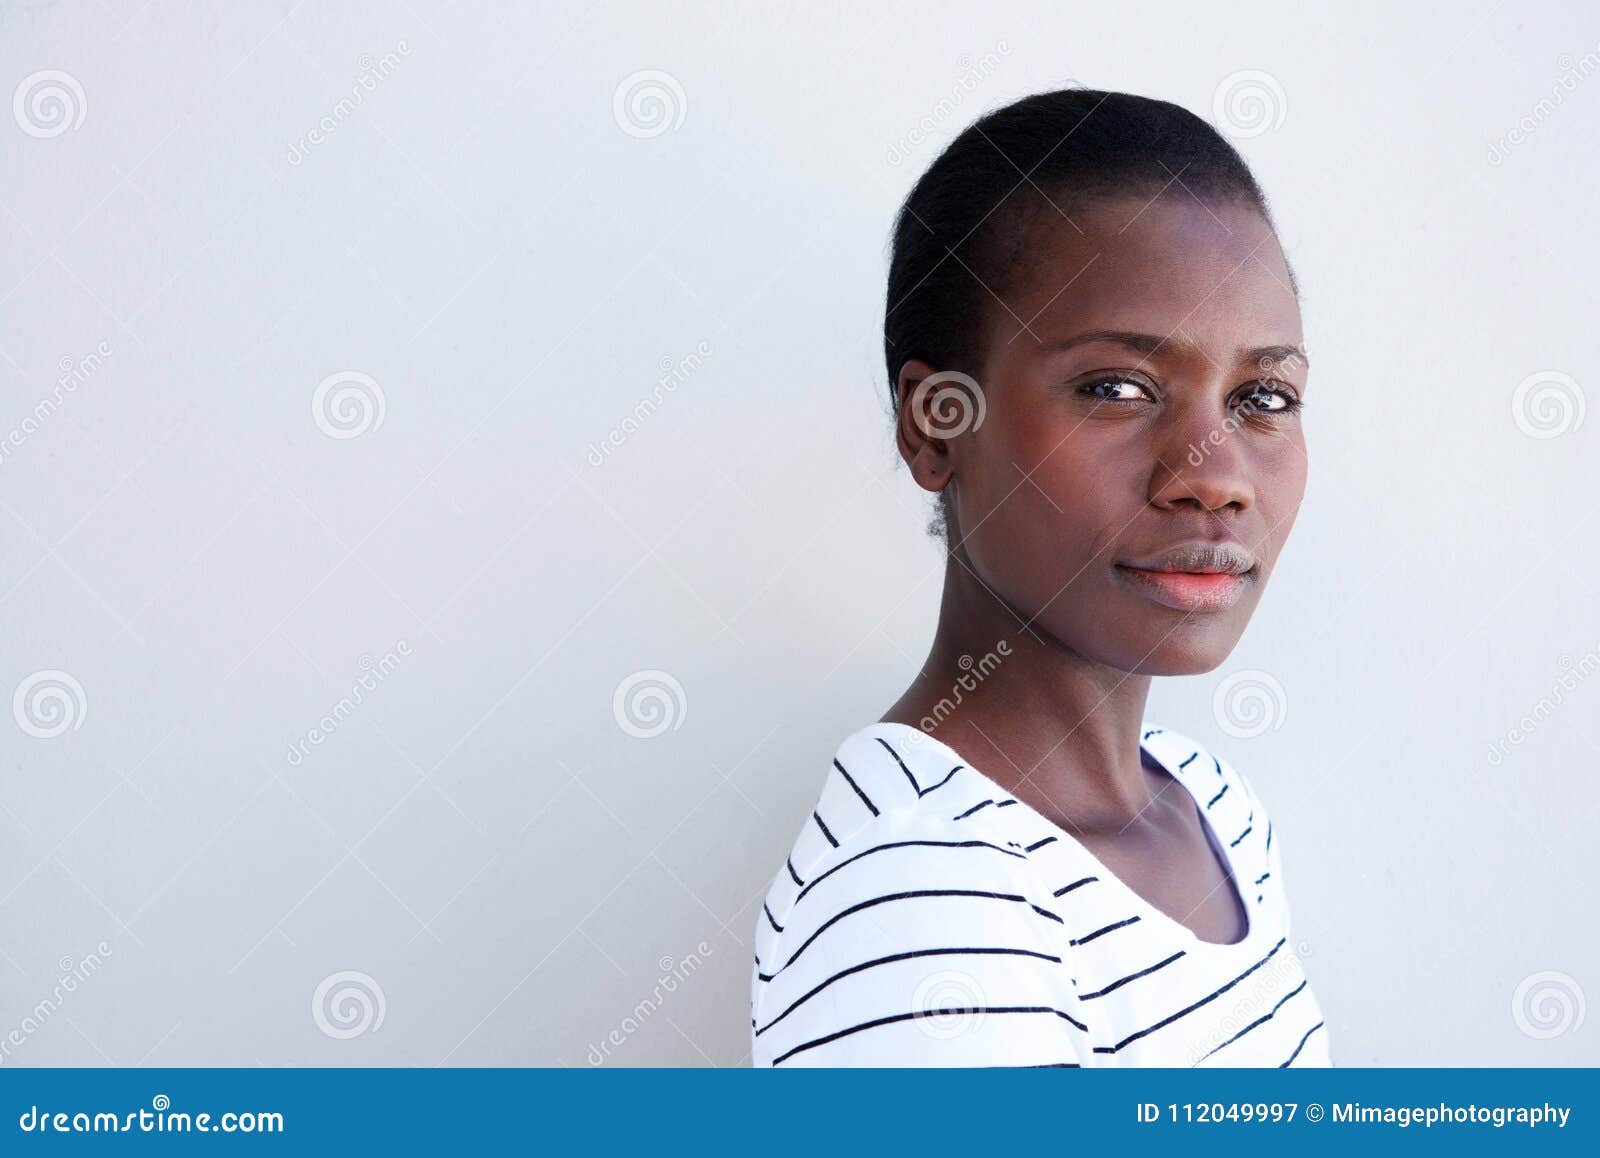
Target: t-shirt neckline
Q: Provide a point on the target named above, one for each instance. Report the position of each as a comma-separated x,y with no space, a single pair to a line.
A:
1147,909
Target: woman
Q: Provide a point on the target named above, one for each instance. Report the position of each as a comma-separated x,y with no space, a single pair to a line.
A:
1094,349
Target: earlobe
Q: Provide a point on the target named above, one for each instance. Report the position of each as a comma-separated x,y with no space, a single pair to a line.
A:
930,468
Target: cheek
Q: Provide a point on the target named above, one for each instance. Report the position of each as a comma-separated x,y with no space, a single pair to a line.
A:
1280,486
1040,509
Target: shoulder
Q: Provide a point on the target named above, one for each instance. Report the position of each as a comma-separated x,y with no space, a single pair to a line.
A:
900,901
896,806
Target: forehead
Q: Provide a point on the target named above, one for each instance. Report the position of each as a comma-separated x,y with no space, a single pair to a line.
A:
1173,265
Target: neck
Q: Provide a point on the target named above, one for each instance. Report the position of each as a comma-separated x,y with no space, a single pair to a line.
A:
1042,720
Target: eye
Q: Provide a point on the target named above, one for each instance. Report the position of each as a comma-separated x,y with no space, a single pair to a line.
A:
1268,398
1116,388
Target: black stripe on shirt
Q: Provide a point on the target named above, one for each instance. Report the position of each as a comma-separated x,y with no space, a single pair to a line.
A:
1262,1020
904,844
914,786
883,900
1119,983
824,828
850,780
1107,929
942,783
893,957
1302,1044
1077,884
921,1013
1218,796
974,808
1133,1037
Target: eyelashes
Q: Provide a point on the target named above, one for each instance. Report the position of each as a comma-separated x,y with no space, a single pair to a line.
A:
1266,398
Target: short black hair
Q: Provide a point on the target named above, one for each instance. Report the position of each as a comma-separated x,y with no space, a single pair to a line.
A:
964,228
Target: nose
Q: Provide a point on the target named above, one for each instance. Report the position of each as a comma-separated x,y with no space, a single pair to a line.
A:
1202,460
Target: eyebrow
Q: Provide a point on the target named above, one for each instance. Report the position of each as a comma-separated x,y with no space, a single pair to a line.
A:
1149,344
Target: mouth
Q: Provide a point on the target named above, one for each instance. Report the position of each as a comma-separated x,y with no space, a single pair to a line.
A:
1192,577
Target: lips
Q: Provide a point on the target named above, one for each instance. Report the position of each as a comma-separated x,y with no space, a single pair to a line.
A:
1192,577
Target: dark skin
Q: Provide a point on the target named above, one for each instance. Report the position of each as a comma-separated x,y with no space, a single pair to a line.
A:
1068,473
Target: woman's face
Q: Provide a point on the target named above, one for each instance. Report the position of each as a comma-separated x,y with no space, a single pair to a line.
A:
1140,462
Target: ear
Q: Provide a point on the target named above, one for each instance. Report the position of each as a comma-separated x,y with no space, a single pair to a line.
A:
935,408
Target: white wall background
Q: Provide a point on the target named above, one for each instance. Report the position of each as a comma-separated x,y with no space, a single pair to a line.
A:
481,236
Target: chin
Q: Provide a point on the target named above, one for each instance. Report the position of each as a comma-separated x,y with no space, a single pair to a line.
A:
1194,649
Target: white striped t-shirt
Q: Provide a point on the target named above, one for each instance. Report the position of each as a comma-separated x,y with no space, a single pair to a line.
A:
926,917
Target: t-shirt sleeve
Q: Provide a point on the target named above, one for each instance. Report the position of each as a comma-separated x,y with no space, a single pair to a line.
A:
907,946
